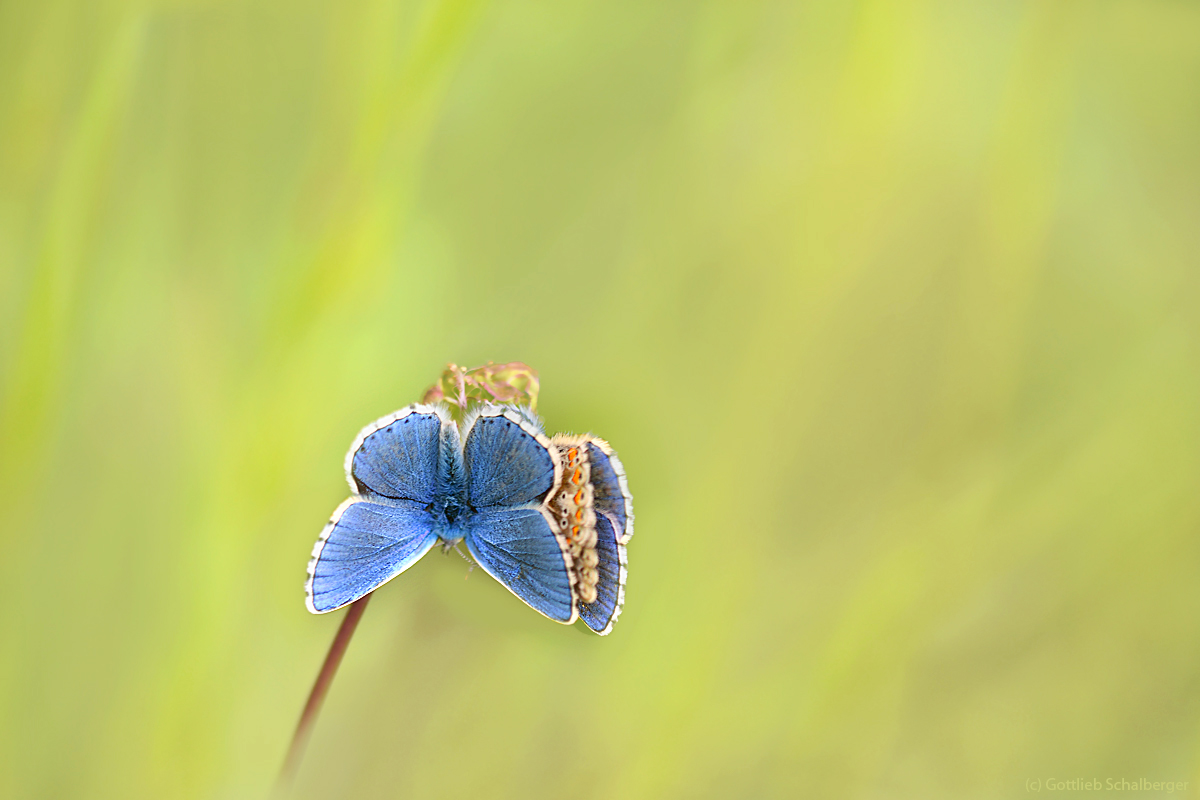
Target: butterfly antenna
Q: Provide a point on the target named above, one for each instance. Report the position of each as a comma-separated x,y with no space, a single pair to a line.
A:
470,561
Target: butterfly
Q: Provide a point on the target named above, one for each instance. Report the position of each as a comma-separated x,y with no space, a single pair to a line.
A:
548,518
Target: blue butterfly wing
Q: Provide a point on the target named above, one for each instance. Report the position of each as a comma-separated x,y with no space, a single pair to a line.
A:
364,546
510,469
508,461
612,498
518,547
610,591
398,456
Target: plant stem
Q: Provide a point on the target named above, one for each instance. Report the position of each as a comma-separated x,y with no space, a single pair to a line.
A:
317,696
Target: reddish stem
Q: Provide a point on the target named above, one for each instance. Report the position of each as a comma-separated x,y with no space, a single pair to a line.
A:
317,696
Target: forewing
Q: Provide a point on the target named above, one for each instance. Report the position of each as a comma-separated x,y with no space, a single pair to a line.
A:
509,462
610,590
518,547
364,546
611,491
397,456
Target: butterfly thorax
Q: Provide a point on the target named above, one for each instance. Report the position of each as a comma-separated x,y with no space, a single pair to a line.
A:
452,509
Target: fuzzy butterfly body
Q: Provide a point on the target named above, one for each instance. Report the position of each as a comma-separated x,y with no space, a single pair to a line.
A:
547,518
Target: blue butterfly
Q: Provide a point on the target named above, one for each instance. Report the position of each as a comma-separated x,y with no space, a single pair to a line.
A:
548,518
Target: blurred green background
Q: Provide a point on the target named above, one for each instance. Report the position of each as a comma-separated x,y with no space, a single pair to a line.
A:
892,310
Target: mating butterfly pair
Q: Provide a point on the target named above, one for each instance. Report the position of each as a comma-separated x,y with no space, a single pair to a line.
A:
547,518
